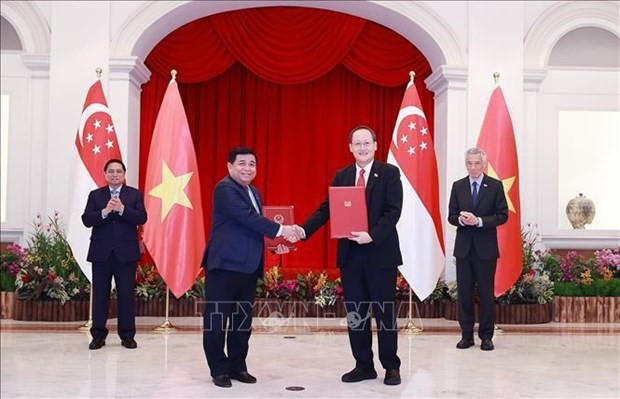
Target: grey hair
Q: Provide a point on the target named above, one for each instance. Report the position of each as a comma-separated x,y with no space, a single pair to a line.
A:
477,151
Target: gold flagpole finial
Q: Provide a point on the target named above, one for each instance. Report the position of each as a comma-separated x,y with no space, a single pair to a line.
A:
411,76
496,77
173,73
98,72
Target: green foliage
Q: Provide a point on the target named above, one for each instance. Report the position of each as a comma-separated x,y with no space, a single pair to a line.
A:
596,288
49,270
12,259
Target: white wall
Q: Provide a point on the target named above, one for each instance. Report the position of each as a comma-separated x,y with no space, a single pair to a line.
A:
486,36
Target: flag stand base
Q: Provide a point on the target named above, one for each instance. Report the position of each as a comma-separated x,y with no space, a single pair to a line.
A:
166,327
411,328
86,326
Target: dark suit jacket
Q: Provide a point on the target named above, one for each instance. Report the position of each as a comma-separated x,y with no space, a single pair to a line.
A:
115,232
491,207
236,242
384,200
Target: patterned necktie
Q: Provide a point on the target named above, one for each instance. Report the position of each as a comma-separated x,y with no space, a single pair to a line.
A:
474,193
360,179
114,193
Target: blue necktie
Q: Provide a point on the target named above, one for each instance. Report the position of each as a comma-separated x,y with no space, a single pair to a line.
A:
474,193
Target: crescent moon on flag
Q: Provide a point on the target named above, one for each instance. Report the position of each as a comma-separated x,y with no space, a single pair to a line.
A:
402,114
87,113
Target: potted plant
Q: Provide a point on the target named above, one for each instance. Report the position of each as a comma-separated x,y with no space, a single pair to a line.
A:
12,257
586,289
49,276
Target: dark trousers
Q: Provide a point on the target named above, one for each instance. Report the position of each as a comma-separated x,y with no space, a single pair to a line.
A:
365,285
229,300
472,270
124,274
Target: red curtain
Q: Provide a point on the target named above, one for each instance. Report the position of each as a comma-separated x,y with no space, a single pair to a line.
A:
290,82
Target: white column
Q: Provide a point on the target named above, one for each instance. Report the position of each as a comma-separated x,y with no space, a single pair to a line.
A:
449,83
127,75
36,139
531,210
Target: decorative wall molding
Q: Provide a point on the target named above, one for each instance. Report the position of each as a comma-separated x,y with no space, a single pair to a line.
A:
562,18
38,64
129,68
142,30
31,27
447,77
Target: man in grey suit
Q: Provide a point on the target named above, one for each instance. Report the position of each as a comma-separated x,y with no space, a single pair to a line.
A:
477,206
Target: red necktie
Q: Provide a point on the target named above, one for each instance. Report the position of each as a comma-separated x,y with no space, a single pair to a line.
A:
360,180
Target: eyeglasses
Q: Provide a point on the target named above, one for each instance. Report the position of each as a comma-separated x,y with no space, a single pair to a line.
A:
363,144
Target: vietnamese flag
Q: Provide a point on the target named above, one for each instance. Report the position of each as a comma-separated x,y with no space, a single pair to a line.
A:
419,228
497,139
174,234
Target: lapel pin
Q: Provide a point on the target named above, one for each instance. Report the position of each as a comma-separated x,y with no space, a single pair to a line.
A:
376,175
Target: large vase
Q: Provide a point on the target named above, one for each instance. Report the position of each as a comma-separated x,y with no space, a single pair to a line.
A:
580,211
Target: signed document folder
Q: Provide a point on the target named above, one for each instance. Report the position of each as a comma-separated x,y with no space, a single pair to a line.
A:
347,210
280,215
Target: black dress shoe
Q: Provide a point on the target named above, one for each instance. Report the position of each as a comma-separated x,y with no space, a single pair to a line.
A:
465,343
96,343
487,345
392,377
357,375
243,376
222,381
129,343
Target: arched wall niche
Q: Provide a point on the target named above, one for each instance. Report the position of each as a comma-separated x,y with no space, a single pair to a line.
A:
31,27
562,18
151,23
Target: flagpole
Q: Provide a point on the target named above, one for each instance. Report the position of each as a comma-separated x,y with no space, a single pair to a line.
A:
89,323
411,328
87,326
167,326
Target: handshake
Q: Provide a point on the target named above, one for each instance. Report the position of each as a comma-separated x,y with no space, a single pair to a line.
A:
293,233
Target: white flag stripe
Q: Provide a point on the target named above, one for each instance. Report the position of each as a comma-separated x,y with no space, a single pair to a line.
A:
78,235
423,258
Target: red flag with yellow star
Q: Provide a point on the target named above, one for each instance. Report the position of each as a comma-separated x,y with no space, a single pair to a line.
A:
174,234
497,139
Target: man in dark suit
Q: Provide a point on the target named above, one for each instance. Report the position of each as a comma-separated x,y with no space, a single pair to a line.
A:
114,212
234,262
368,261
477,206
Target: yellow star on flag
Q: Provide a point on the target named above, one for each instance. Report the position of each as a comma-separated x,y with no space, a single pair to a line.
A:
507,183
171,190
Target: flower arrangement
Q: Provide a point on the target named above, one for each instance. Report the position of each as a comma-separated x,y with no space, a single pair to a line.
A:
12,258
534,284
49,270
574,275
310,286
328,292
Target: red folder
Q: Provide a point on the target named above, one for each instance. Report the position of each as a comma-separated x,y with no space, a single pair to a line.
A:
347,210
280,215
